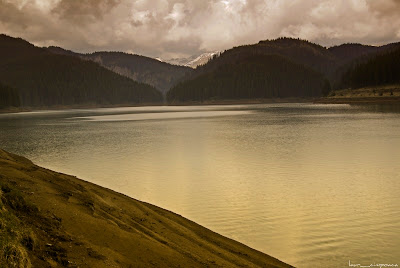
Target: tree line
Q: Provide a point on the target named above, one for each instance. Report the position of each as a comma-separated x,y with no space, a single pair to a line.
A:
47,80
9,97
379,70
42,78
256,76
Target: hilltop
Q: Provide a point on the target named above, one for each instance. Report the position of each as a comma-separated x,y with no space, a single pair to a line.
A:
44,79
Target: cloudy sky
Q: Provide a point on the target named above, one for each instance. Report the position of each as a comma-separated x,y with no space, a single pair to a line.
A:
172,28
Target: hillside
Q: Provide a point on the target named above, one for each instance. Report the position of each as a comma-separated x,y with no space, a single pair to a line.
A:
327,64
9,97
299,51
375,79
48,219
142,69
252,77
46,79
382,69
349,55
348,52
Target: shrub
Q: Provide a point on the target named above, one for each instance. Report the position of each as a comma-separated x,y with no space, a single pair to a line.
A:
16,201
15,256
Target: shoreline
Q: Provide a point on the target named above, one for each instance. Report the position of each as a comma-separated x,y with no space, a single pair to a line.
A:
344,99
194,103
243,101
60,220
77,106
385,94
359,100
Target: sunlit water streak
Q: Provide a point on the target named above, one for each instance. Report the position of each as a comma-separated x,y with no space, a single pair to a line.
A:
313,185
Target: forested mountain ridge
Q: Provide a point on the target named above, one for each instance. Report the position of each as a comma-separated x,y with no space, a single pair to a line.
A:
383,69
329,63
269,69
256,76
160,75
321,59
299,51
278,68
350,51
62,51
350,55
43,78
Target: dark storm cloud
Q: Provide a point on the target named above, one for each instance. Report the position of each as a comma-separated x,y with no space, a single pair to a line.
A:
170,28
84,11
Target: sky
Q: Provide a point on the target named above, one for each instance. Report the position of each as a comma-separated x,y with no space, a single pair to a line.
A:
180,28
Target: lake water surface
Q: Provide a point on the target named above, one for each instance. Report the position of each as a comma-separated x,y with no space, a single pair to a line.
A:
312,185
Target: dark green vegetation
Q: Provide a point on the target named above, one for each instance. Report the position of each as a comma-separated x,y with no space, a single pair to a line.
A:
383,69
308,65
9,97
43,78
48,219
142,69
264,76
281,68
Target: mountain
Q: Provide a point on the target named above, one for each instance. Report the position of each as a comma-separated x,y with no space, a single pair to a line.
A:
193,61
349,55
329,63
299,51
9,97
43,78
161,75
142,69
256,76
62,51
348,52
269,69
383,69
202,59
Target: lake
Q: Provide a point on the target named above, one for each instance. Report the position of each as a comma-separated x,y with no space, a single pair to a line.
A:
312,185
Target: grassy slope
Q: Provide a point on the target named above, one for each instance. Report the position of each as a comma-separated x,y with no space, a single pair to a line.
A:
61,220
373,94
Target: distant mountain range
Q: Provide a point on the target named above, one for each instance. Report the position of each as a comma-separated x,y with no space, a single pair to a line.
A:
285,67
142,69
192,61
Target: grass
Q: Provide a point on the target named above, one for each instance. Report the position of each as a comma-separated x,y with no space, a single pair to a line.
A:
49,219
15,239
367,92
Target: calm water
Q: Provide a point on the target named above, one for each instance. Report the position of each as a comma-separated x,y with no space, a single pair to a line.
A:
313,185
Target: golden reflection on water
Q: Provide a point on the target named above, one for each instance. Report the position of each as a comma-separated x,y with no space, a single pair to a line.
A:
313,185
